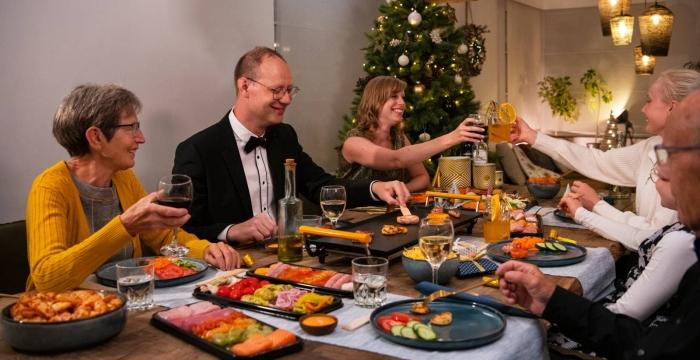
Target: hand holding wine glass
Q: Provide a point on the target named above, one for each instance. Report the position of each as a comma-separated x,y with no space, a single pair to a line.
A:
175,191
435,241
333,200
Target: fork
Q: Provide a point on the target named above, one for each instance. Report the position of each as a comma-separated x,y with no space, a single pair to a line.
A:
444,293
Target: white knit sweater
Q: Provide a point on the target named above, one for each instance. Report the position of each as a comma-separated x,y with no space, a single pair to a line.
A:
627,166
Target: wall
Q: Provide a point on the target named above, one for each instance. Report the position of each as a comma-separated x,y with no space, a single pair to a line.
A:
176,55
573,43
322,41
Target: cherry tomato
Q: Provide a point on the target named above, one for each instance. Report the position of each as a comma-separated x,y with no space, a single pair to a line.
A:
264,282
404,318
224,291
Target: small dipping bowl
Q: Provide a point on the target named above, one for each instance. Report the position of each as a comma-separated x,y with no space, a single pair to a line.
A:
318,324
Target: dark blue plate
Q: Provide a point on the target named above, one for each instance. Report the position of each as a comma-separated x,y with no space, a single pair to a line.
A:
542,258
472,324
107,274
562,216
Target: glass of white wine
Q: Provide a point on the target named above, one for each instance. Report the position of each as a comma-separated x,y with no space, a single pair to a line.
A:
333,200
435,238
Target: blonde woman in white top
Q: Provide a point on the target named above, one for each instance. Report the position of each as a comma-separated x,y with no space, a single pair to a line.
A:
627,166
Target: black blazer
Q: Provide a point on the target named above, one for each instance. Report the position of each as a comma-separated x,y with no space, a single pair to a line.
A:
221,196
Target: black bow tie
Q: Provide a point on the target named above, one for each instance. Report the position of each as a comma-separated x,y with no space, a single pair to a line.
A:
254,142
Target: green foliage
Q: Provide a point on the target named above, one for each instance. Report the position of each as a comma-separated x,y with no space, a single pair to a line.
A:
595,89
433,65
556,91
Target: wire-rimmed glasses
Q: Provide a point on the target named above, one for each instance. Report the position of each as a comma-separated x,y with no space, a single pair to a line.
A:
278,93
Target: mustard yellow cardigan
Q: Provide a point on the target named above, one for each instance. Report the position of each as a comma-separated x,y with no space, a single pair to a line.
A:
61,250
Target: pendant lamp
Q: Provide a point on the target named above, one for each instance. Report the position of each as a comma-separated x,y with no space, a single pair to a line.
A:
655,27
622,27
609,8
643,64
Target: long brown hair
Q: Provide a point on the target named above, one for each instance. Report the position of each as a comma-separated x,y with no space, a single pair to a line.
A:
377,92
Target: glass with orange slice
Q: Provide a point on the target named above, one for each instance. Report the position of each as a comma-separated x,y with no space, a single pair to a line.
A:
496,220
499,129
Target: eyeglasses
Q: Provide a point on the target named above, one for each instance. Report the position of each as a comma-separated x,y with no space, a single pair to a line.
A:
133,127
654,174
664,152
278,93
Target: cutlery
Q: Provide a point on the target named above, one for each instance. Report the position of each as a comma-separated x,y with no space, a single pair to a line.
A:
9,296
444,293
357,323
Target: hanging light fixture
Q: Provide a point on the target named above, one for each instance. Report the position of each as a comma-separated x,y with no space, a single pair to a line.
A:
655,27
609,8
643,64
622,27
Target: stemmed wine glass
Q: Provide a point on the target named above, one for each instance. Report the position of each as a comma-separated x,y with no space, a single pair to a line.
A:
333,202
478,121
435,238
175,191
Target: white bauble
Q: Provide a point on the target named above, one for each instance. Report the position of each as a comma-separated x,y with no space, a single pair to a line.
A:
414,18
458,79
403,60
424,137
462,49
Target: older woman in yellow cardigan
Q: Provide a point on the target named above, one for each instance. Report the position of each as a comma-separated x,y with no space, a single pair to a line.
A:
91,209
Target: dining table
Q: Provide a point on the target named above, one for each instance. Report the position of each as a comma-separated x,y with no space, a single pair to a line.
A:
141,340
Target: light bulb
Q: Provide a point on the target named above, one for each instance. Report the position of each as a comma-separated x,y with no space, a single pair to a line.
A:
656,19
645,60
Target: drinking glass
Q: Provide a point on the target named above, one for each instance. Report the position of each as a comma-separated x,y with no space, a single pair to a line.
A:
333,202
135,281
369,281
175,191
481,146
496,222
435,238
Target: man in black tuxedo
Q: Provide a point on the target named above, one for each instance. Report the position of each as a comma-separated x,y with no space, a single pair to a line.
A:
619,336
236,165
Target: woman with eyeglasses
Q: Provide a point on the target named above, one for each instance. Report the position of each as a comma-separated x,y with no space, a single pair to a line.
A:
91,209
627,166
646,291
377,147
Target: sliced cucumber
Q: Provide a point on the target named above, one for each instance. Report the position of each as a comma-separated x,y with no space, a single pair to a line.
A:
550,246
408,333
396,330
412,324
560,247
426,333
541,246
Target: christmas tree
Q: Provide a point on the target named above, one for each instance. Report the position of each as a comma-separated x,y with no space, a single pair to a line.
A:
418,42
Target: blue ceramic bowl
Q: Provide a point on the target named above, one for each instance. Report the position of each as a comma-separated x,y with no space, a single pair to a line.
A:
543,191
419,270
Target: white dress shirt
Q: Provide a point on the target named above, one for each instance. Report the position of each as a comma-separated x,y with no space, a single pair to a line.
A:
257,173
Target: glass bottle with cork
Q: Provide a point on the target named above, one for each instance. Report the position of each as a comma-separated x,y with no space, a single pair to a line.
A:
289,218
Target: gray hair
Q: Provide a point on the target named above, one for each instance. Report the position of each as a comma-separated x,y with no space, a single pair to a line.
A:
89,105
675,84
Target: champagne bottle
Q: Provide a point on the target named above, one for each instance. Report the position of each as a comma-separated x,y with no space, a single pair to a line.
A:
289,218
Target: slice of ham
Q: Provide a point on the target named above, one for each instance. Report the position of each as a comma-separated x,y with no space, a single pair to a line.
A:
189,322
203,307
331,281
345,278
176,313
277,269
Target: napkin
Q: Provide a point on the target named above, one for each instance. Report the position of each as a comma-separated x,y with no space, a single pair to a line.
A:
427,287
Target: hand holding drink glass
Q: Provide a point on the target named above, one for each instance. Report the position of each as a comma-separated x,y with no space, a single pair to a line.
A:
333,200
369,281
175,191
435,237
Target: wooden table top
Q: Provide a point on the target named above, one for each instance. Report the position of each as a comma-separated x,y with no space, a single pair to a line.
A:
140,340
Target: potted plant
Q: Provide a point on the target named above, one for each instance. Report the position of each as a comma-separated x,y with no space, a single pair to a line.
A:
595,90
556,91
